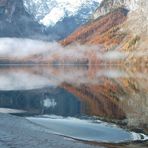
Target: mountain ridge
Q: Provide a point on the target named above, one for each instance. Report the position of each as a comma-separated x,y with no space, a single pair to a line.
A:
16,19
129,36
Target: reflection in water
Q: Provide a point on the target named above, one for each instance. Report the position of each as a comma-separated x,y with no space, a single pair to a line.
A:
109,93
11,111
42,101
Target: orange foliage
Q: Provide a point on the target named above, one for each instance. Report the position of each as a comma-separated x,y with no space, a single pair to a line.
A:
102,31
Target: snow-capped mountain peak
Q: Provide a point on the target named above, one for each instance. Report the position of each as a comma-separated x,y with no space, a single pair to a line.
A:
49,12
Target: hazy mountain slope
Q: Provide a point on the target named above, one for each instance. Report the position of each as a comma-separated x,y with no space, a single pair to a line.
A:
137,28
43,19
127,33
60,17
15,21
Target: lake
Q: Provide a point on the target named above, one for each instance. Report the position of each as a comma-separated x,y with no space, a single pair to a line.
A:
100,104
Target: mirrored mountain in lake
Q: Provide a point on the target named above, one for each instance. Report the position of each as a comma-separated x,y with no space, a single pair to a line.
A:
112,94
42,101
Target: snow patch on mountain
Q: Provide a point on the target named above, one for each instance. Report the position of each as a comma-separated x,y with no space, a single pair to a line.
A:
49,12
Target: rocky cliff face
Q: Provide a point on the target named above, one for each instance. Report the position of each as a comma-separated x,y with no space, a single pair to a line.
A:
109,5
137,21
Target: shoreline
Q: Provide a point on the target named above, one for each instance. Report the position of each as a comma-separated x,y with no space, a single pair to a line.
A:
19,132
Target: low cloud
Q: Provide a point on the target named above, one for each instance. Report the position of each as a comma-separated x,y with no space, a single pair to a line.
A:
11,48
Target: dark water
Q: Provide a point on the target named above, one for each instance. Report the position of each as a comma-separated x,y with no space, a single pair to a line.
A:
102,104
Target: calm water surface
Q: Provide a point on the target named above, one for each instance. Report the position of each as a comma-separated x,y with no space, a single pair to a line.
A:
102,104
